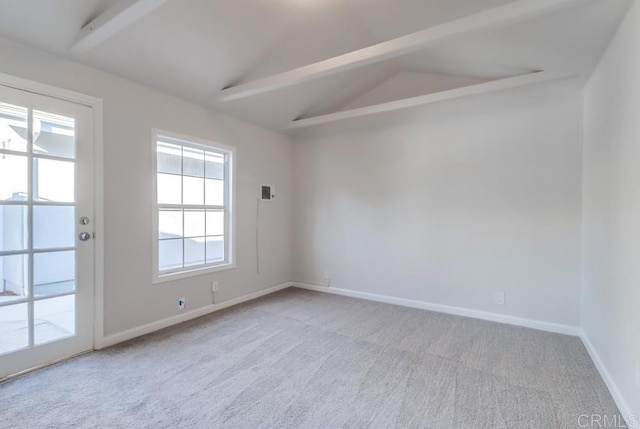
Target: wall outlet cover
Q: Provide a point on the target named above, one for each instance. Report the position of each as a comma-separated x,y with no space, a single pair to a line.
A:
215,286
181,303
498,298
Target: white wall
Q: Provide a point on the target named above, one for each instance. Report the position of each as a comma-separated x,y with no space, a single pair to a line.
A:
130,112
611,295
449,203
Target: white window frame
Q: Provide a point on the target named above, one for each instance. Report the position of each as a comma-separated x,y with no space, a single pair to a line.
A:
229,206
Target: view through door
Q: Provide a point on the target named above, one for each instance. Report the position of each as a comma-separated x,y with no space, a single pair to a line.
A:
46,230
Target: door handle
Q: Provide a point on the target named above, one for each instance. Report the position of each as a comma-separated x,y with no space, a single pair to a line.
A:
85,236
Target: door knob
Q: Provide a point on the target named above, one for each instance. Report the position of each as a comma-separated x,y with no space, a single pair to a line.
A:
84,236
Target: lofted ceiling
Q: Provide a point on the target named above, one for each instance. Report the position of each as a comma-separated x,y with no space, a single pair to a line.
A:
195,48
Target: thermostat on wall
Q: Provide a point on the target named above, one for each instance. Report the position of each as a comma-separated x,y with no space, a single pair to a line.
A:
267,193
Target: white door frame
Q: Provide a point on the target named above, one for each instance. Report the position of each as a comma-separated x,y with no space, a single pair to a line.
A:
96,105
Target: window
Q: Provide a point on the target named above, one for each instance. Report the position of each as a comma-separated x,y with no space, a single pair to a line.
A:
193,210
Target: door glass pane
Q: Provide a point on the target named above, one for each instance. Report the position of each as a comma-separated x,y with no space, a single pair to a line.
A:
215,222
215,249
13,127
194,223
214,166
193,162
194,251
170,254
54,319
214,192
193,190
14,182
170,223
14,231
169,189
14,275
14,327
54,134
169,158
38,218
53,227
54,273
54,180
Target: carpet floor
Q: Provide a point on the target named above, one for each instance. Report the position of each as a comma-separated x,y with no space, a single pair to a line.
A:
300,359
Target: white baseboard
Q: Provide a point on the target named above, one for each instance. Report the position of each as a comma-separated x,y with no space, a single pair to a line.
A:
174,320
439,308
622,404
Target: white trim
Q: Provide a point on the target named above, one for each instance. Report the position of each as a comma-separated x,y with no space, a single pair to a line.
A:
96,104
98,242
229,207
186,272
618,398
120,16
465,91
510,13
170,321
43,366
48,90
190,140
440,308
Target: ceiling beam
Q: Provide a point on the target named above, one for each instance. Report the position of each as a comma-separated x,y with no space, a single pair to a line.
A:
510,13
115,19
481,88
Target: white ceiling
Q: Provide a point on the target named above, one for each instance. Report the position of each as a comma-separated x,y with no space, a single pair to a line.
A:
194,48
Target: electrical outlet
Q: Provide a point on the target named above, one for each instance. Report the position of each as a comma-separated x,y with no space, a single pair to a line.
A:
327,277
215,286
181,303
498,298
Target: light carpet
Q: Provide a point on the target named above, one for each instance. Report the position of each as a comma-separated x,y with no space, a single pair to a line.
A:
300,359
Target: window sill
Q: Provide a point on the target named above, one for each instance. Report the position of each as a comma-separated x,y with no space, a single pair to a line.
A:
169,277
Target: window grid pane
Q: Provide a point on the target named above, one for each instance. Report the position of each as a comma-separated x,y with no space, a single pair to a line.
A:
169,188
191,224
14,327
194,251
192,191
214,192
54,181
54,135
14,228
170,254
55,319
169,158
170,224
192,162
14,178
13,127
215,249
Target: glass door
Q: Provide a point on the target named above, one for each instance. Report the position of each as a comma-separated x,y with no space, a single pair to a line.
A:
46,238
